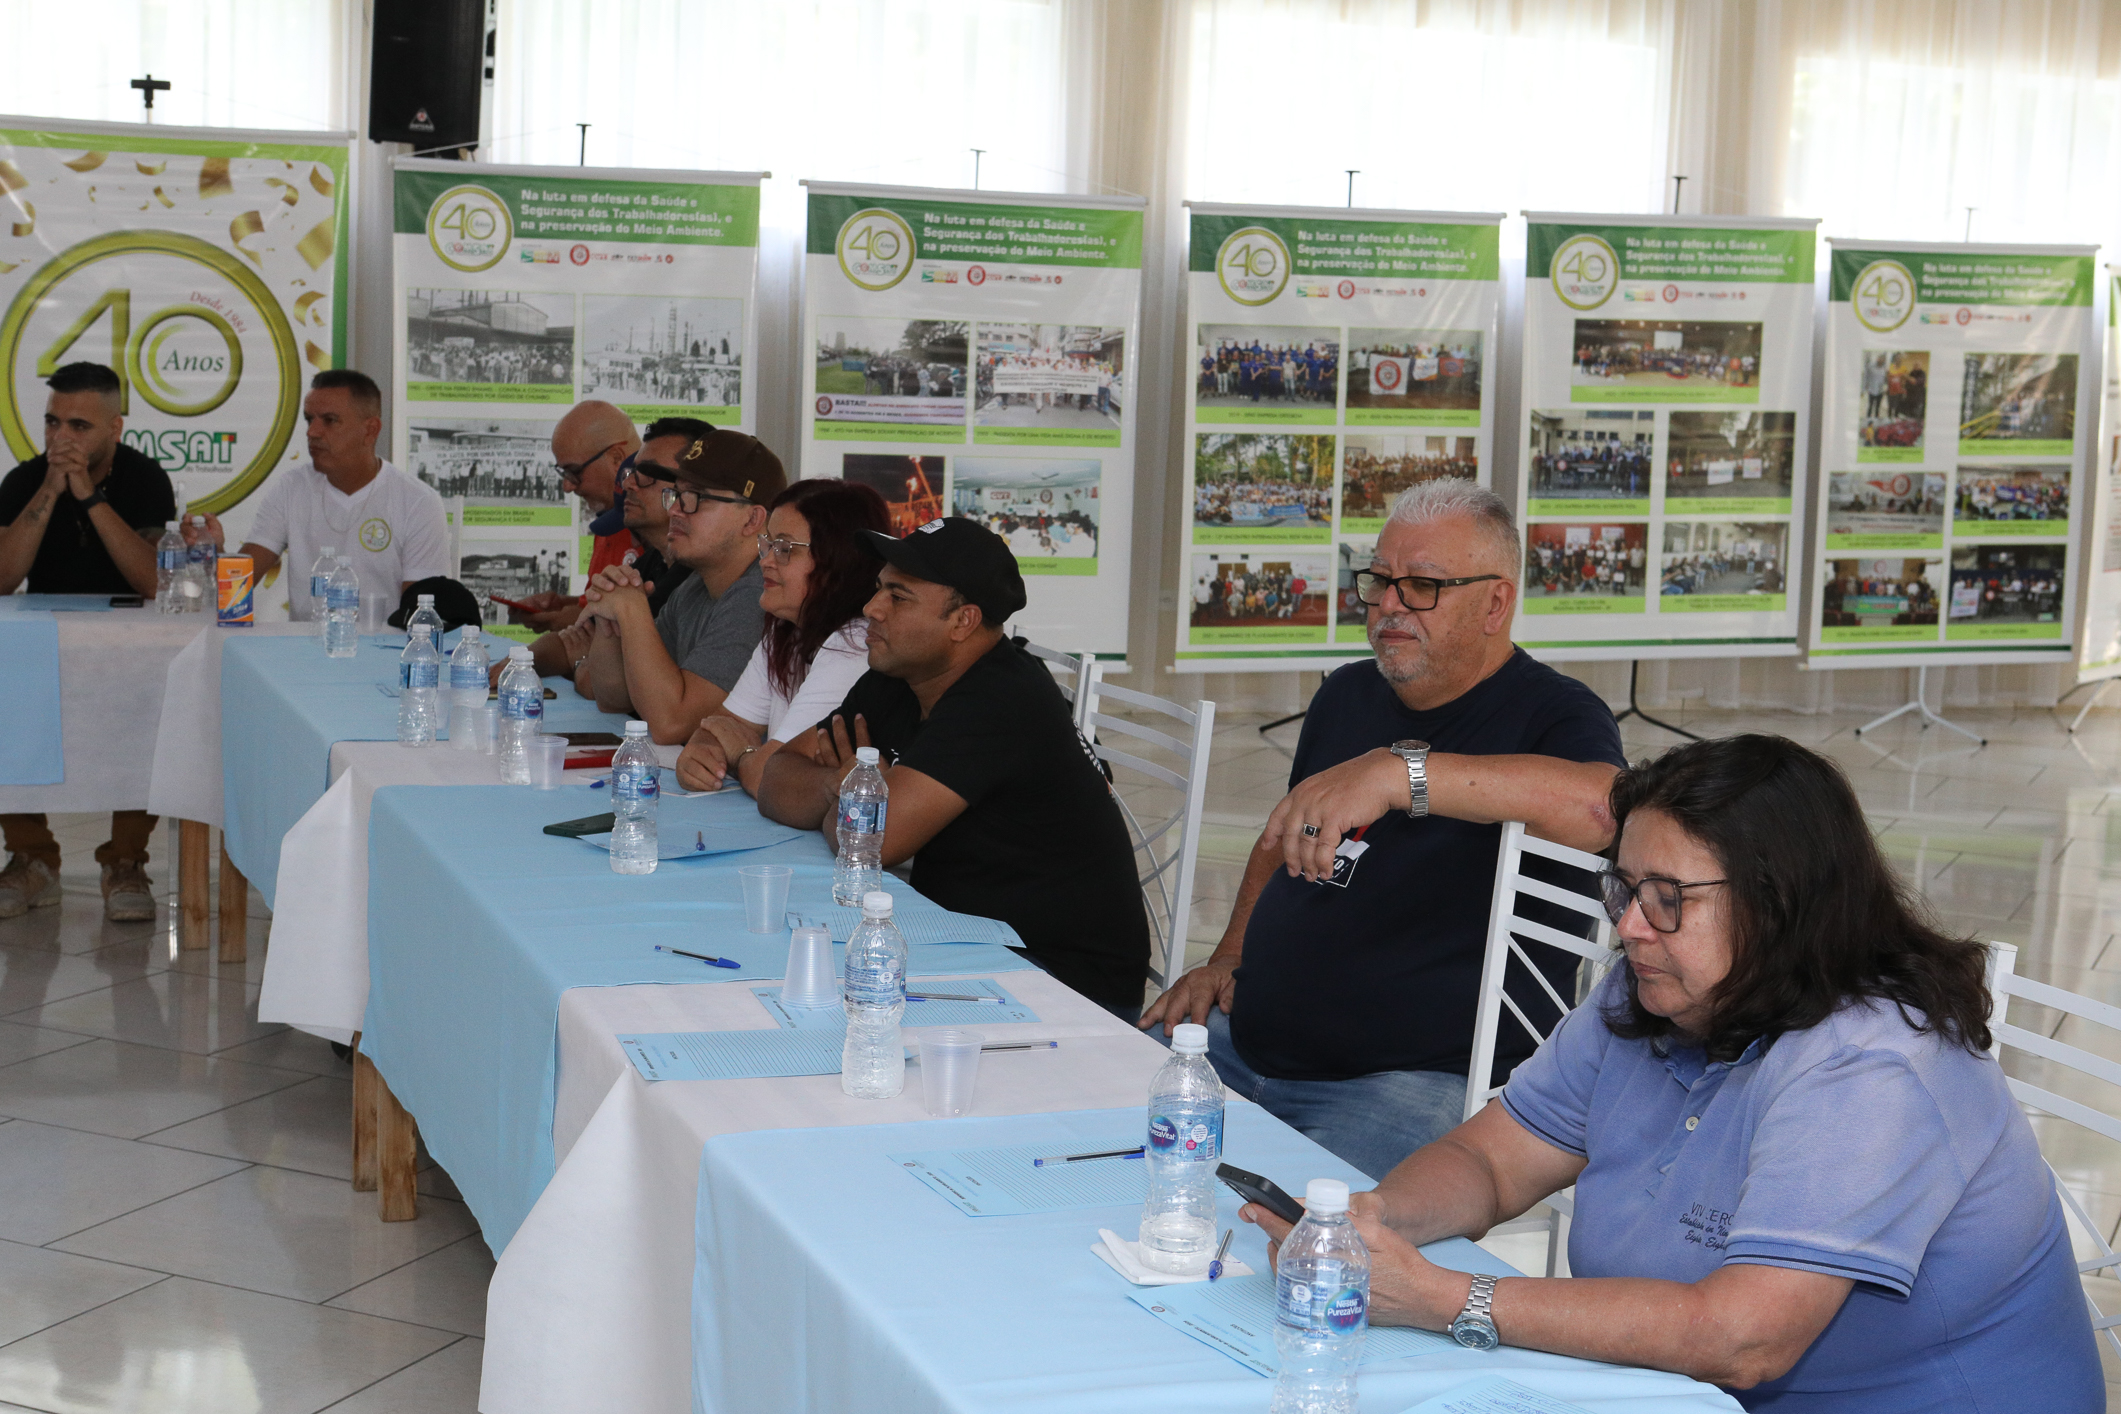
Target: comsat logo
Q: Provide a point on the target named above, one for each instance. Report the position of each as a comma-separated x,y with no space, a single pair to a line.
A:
179,450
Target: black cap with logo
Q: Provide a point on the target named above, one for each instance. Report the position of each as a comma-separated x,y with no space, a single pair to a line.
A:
964,555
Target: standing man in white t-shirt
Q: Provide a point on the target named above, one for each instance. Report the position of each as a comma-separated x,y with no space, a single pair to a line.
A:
346,496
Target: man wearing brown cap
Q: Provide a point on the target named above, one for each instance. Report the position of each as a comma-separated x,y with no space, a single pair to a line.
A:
673,668
994,794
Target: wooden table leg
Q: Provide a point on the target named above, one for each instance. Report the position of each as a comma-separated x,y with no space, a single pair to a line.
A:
193,837
364,1120
397,1140
235,908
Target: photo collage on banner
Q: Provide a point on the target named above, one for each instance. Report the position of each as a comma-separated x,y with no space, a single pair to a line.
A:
1667,368
1955,387
2100,656
974,354
523,290
1336,358
205,267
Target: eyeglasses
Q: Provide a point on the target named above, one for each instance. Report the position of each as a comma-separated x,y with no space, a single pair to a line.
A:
646,471
687,500
1660,898
779,548
1417,591
574,473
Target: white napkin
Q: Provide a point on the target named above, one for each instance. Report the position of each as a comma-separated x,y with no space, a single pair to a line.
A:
1124,1257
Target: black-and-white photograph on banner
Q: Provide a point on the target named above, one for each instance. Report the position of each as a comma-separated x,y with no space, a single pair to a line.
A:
2007,400
1414,368
512,569
1045,508
1377,466
1658,355
1724,557
1261,588
1048,375
1263,487
485,459
490,345
892,370
1266,365
912,486
1577,454
1715,458
654,351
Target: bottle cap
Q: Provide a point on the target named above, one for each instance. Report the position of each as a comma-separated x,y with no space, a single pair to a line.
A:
1325,1195
1189,1039
519,654
329,550
427,601
422,632
636,729
867,755
876,904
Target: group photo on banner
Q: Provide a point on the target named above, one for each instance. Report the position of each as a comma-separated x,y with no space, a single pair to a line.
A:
975,354
1337,357
1667,373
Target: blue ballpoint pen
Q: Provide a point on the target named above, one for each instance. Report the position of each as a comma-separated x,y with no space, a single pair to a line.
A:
710,961
1215,1268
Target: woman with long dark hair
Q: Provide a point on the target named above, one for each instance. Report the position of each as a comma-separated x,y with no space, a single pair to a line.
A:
818,576
1798,1171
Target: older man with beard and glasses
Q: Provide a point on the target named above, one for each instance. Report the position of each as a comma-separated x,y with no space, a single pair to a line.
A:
1341,997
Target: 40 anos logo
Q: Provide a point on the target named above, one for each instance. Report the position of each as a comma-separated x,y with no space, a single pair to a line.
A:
1252,265
1585,272
875,248
469,228
1883,296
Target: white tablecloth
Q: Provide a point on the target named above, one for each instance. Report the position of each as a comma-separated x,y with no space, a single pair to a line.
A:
112,667
187,740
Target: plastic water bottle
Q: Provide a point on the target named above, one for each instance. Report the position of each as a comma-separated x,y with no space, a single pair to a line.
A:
342,610
424,613
1185,1143
634,792
873,1062
319,586
468,669
1321,1306
420,695
171,553
522,712
864,801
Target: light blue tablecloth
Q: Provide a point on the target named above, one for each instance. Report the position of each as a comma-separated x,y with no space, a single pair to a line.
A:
32,749
284,705
825,1279
478,921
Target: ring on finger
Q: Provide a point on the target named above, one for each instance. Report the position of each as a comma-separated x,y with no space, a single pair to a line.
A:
1310,832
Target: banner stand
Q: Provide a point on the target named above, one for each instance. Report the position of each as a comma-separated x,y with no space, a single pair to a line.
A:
2089,702
1634,710
1920,703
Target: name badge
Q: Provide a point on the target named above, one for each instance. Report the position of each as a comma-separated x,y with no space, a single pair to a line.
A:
1345,859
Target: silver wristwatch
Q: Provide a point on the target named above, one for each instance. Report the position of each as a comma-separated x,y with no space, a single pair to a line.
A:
1475,1327
1416,755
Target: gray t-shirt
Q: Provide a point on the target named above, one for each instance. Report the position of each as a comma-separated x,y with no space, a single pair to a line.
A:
713,637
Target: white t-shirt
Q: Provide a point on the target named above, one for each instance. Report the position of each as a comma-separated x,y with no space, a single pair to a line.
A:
842,658
393,529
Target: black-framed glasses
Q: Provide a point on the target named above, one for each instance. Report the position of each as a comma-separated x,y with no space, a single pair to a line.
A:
779,548
574,471
1660,898
646,472
1416,591
687,500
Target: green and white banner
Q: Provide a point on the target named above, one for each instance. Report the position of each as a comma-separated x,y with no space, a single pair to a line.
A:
1955,426
1667,382
1334,359
974,354
2100,655
206,267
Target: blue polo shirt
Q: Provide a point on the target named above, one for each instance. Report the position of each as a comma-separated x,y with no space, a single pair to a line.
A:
1858,1148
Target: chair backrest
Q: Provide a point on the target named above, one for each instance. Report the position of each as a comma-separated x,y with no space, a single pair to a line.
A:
1072,673
2065,1063
1158,756
1509,931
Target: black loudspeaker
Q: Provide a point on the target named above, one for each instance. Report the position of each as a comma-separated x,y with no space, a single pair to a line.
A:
425,63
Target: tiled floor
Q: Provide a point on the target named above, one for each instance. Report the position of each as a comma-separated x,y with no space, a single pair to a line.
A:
177,1233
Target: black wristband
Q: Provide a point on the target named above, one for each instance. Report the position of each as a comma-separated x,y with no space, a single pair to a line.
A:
93,499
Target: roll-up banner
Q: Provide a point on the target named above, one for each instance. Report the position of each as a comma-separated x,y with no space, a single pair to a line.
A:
2100,656
1957,405
974,354
523,290
204,266
1335,358
1667,383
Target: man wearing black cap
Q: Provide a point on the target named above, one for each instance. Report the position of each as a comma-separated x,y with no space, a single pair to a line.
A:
674,667
994,794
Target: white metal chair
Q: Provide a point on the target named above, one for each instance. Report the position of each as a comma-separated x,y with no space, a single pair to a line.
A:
1074,674
1166,841
2004,983
1509,932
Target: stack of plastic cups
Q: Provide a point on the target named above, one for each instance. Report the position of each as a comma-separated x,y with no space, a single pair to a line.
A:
811,981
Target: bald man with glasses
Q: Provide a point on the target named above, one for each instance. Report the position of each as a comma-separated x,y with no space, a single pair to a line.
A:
590,446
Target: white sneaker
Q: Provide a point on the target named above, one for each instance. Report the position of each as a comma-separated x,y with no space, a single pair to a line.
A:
25,884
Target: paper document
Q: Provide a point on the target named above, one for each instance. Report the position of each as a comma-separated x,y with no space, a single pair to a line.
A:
734,1055
991,1183
1236,1316
937,1013
1492,1394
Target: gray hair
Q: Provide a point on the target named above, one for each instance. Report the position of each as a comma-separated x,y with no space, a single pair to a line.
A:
1431,501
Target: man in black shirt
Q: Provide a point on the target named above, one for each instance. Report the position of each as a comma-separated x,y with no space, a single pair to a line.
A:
1341,997
995,796
82,519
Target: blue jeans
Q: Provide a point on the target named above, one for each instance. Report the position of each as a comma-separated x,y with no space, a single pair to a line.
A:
1372,1121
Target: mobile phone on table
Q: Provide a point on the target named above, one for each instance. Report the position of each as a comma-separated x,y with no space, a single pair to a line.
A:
587,825
126,601
591,738
1263,1191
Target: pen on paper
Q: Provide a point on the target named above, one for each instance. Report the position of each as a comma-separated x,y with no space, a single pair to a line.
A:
951,997
1021,1046
1215,1268
1133,1153
710,961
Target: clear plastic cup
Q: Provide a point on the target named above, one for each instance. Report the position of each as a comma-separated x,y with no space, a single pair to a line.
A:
548,761
765,896
486,724
949,1070
376,610
811,980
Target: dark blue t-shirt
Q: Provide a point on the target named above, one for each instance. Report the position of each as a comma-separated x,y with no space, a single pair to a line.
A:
1382,973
